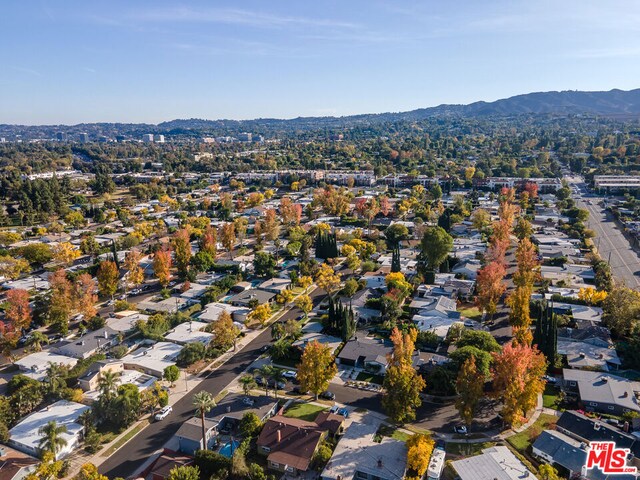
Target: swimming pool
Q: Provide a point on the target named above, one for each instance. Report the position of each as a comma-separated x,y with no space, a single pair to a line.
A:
228,448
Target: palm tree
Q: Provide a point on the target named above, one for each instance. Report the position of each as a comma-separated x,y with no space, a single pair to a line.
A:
247,382
56,374
51,440
36,340
108,384
276,376
203,401
265,372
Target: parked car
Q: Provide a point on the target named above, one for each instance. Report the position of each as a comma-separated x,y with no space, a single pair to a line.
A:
248,401
265,348
289,374
469,323
163,413
278,385
460,429
328,395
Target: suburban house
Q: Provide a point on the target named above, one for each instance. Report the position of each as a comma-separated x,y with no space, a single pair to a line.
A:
312,331
189,332
494,463
35,364
602,392
291,443
189,435
366,353
212,312
153,360
559,449
275,285
593,335
359,456
90,381
586,355
249,297
25,436
15,465
167,461
88,344
358,303
467,268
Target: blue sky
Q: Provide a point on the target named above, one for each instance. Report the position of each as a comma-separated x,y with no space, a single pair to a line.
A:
69,61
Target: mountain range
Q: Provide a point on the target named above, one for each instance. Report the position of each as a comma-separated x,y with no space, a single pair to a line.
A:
612,103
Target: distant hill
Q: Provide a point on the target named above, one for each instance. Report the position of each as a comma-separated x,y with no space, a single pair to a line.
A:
570,102
614,103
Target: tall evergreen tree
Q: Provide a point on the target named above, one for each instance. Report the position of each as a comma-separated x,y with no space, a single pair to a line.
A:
395,259
546,333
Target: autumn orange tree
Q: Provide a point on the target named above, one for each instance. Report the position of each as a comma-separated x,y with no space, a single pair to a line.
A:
470,388
181,242
18,311
527,262
135,274
84,289
162,266
489,287
519,315
60,301
228,237
107,276
402,383
419,450
517,379
208,241
316,368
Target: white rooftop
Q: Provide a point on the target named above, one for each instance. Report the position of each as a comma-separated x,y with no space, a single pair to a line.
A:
155,358
189,332
35,364
496,463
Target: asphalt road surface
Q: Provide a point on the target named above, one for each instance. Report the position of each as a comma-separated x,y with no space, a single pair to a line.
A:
612,245
128,459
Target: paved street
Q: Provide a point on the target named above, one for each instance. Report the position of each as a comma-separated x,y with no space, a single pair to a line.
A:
612,245
127,459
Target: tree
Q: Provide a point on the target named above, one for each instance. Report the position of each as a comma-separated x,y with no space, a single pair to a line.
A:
316,368
284,297
436,245
592,296
36,339
261,313
65,253
264,265
51,439
547,472
225,331
60,301
248,383
12,268
469,388
622,311
203,402
304,303
228,237
56,377
209,241
519,301
89,471
523,228
135,274
18,311
305,281
171,374
36,253
517,380
108,385
402,383
162,266
395,234
419,450
250,424
181,243
85,296
327,279
185,472
479,339
528,263
107,278
49,468
546,333
489,286
191,353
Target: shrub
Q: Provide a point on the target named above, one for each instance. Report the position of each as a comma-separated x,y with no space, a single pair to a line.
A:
191,353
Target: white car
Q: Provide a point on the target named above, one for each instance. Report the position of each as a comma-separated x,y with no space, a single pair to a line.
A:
163,413
289,374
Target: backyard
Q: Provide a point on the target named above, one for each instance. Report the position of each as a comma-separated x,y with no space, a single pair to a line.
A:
523,440
304,411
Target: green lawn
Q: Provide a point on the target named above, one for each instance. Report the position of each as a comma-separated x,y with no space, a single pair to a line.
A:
550,397
304,411
467,449
472,313
388,431
370,377
521,441
124,439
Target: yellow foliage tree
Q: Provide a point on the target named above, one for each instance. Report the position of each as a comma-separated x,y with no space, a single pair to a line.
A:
65,253
261,313
592,296
316,368
327,279
419,450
